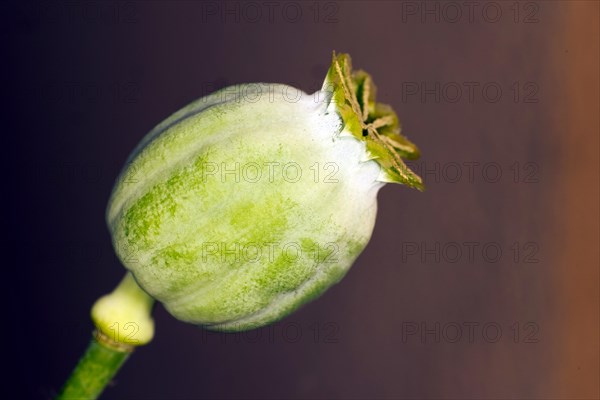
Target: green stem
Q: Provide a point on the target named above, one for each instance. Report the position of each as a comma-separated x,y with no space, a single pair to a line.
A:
94,371
123,321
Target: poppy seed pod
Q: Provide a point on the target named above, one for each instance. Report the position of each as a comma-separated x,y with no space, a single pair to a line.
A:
251,201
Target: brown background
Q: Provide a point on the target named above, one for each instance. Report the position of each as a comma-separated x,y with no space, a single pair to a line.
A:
86,83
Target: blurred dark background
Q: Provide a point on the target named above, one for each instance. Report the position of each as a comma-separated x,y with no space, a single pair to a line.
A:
483,286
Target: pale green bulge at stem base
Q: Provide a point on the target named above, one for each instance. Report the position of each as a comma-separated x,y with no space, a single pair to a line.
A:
123,321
